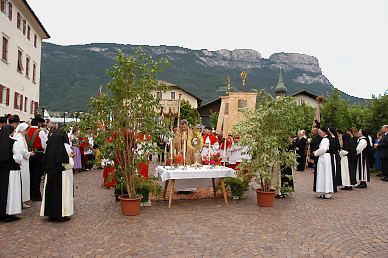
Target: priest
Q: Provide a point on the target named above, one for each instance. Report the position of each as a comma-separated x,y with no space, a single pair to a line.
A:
183,142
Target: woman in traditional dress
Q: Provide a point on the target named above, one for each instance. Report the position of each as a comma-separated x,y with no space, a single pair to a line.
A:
325,179
19,136
10,184
76,150
363,157
57,203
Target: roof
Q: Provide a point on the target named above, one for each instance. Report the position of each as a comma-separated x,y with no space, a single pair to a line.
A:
169,84
304,92
280,87
209,103
36,18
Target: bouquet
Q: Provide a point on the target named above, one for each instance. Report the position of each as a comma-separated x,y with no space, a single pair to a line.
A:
215,159
176,160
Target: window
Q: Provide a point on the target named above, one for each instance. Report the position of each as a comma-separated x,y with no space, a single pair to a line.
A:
34,73
25,104
2,6
159,95
28,32
16,101
19,21
27,67
4,55
36,107
3,94
10,11
24,26
242,103
35,40
172,95
32,107
20,63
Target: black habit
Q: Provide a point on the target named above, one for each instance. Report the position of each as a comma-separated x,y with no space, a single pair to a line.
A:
55,155
350,146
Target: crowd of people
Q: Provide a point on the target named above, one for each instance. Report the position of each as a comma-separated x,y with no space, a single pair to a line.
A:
29,151
344,158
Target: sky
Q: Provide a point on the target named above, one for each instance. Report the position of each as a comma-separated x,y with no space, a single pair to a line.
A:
349,37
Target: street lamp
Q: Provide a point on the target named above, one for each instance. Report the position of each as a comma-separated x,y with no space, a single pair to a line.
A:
64,118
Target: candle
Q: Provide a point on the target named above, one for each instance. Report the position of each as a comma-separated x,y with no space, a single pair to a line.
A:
225,151
208,142
165,155
171,151
184,147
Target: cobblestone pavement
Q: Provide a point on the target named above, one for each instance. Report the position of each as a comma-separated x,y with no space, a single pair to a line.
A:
353,224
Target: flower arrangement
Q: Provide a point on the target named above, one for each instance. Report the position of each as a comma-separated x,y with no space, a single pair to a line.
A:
176,160
215,159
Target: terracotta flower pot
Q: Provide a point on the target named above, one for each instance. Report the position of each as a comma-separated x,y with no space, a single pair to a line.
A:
265,199
130,207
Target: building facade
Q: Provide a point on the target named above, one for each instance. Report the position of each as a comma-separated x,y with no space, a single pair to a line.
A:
170,97
21,35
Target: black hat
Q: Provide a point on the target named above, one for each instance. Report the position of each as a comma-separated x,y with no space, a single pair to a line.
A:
14,119
39,118
3,119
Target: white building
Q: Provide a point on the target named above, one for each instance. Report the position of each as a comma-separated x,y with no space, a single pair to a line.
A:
170,97
21,35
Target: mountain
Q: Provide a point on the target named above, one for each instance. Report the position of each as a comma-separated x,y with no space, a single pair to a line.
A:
70,75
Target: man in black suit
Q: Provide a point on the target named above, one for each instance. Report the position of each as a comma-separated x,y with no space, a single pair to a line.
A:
383,147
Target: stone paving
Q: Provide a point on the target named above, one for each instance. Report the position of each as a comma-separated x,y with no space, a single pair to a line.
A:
353,224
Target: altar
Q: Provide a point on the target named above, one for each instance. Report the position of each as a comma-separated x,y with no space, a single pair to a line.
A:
193,173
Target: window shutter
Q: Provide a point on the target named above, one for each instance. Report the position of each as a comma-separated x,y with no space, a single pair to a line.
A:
31,106
25,104
24,26
35,40
15,100
28,32
36,108
7,97
33,72
18,22
10,11
21,102
2,5
1,93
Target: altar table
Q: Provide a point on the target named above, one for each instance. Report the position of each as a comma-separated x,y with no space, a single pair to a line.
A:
167,175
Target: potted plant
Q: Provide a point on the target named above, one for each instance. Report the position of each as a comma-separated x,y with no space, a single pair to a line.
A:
145,186
117,119
265,131
237,185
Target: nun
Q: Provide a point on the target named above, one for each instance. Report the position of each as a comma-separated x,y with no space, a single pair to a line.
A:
57,202
10,179
325,179
362,165
348,155
20,137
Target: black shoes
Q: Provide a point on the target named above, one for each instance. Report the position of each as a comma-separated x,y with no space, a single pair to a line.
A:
348,188
61,219
361,185
10,218
384,178
36,199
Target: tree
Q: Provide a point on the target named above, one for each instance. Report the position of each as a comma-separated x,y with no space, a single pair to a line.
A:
189,113
214,119
306,116
378,113
335,111
266,132
128,109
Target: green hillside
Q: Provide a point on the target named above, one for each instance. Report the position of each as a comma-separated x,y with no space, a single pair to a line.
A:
70,75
